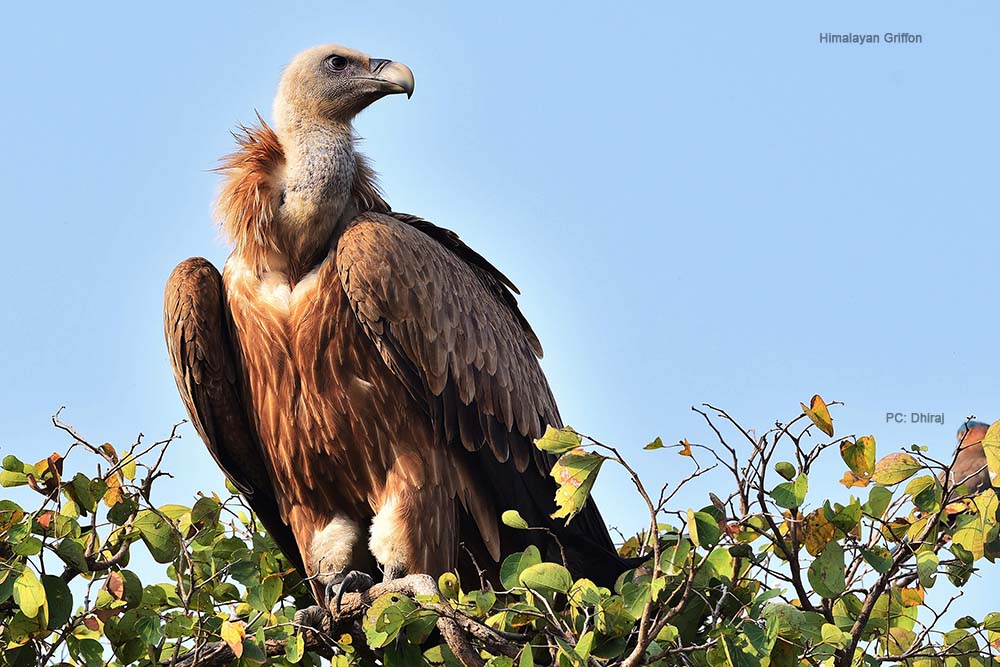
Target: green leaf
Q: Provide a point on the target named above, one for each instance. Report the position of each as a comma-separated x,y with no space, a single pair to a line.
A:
636,595
7,585
87,651
29,546
704,529
546,578
420,624
59,599
147,626
656,444
386,617
266,595
791,494
121,511
575,473
674,559
480,602
991,622
29,594
514,564
785,469
20,656
927,564
72,552
878,501
895,468
514,519
158,536
180,625
14,464
558,440
827,573
878,557
926,492
85,494
295,648
843,517
205,510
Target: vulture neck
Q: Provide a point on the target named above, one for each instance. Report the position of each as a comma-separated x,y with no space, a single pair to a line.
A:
317,188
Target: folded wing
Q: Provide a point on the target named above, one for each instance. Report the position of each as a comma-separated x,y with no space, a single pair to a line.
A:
204,358
446,324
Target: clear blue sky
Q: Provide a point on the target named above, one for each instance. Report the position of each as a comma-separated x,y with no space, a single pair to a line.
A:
699,204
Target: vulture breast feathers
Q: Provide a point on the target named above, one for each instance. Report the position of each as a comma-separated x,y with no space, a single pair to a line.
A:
361,375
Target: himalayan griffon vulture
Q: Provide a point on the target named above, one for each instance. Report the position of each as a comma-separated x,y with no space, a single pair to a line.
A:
362,376
969,470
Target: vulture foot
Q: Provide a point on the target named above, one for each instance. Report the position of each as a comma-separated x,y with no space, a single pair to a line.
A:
353,582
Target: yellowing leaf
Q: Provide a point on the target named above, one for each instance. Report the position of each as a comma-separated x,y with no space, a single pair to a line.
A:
114,492
109,452
575,472
895,468
817,531
819,414
851,480
514,519
859,456
448,585
128,467
558,440
912,597
115,585
655,444
991,447
233,634
975,531
685,448
899,640
29,594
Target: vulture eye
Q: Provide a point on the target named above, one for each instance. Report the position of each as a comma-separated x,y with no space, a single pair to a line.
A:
336,63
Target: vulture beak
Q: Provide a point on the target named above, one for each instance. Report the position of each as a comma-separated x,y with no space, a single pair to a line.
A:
392,77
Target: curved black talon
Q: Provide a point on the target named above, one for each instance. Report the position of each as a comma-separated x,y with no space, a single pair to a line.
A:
353,582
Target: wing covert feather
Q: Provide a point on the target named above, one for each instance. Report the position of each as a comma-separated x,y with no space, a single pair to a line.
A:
447,324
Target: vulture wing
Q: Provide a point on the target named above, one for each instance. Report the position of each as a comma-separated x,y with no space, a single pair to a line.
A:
204,359
447,325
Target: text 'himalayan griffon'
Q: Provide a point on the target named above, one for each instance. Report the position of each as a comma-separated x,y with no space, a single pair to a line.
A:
362,376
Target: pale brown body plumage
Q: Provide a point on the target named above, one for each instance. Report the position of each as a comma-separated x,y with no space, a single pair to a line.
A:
389,385
969,469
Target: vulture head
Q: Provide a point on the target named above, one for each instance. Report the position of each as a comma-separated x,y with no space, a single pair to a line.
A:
334,83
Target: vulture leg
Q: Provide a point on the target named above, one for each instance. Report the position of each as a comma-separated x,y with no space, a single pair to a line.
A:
352,582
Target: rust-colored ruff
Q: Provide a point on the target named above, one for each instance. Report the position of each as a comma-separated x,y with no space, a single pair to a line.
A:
249,199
